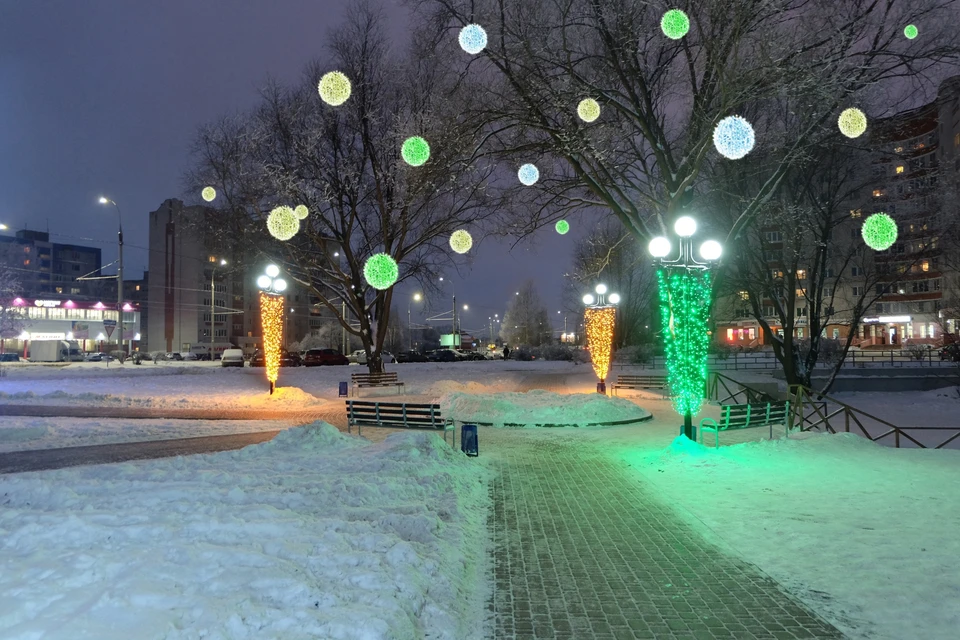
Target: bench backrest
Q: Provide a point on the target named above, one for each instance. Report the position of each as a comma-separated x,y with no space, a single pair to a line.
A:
419,416
386,376
742,416
629,379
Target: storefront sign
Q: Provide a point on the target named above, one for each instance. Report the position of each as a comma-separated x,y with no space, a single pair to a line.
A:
48,336
886,319
47,303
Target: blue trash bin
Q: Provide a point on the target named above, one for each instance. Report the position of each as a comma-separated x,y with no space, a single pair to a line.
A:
343,389
468,440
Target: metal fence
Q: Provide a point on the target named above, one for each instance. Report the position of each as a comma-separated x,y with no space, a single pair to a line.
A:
766,360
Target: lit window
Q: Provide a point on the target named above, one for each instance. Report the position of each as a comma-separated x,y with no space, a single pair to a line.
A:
138,287
898,150
729,335
855,213
956,140
59,289
26,263
900,169
211,258
877,193
744,295
925,265
801,274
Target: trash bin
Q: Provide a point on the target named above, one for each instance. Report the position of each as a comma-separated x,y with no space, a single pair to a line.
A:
343,389
468,440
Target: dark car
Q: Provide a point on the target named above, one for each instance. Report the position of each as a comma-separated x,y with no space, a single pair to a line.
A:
950,352
442,355
320,357
411,356
287,359
9,357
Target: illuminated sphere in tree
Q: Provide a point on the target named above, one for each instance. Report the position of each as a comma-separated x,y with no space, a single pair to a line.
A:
301,212
334,88
473,39
415,151
528,174
283,223
562,227
733,137
675,24
588,110
910,31
852,122
381,271
461,241
879,231
208,194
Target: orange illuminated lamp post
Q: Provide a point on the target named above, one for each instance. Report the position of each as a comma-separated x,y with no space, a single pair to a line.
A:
600,318
271,320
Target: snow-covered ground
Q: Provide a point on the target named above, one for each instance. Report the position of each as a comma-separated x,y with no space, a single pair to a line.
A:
313,535
540,408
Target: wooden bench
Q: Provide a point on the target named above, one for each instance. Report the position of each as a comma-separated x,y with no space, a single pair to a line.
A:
385,379
398,415
641,382
747,416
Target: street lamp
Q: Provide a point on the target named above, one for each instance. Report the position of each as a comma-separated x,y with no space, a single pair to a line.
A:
416,298
456,336
272,320
213,270
106,200
685,289
600,317
3,227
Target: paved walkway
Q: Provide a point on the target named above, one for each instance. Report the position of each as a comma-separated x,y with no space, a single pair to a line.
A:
585,550
300,416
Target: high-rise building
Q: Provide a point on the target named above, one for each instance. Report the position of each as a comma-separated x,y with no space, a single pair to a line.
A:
49,269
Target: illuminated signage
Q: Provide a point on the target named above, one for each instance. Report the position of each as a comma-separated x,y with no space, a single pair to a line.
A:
47,336
885,319
47,303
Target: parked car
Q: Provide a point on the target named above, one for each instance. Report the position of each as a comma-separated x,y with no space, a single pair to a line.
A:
950,352
321,357
360,357
411,356
173,355
9,357
232,358
468,355
287,359
188,355
442,355
98,356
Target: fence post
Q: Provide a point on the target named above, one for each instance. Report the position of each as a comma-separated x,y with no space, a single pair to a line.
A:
891,357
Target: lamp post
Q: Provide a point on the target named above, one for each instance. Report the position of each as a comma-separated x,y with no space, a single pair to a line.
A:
272,318
213,270
455,336
685,289
416,298
600,317
106,200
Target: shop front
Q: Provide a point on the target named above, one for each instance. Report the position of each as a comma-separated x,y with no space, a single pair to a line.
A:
91,324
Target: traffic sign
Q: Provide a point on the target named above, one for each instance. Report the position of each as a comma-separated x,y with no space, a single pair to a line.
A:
109,326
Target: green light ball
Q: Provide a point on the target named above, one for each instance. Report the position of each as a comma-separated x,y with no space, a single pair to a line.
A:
852,122
879,231
283,223
301,211
911,31
461,241
334,88
208,194
675,24
415,151
381,271
562,227
588,110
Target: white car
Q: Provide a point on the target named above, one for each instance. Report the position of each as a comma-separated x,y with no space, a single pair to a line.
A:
360,357
232,358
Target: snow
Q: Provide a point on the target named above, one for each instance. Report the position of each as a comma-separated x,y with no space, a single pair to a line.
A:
540,408
312,535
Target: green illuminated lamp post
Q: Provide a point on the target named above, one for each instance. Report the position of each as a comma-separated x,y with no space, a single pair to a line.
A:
685,288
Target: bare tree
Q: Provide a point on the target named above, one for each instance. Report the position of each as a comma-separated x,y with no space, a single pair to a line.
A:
526,320
344,164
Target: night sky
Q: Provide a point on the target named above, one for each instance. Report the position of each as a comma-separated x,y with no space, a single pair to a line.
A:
105,96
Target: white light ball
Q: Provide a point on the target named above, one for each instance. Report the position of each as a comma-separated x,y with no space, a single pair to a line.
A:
264,282
685,226
588,299
528,174
208,194
601,289
473,39
659,247
711,250
273,270
734,137
614,298
280,284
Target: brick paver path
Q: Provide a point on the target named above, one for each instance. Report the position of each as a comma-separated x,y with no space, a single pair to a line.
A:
585,550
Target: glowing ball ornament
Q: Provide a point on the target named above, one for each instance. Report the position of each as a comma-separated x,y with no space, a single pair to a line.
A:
271,321
685,226
334,88
272,270
675,24
264,282
659,247
910,31
562,227
852,122
588,299
734,137
879,231
301,212
473,39
381,271
461,241
528,174
208,194
711,250
599,323
415,151
283,223
588,110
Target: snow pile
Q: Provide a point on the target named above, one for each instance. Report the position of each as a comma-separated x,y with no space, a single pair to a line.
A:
866,535
539,408
312,535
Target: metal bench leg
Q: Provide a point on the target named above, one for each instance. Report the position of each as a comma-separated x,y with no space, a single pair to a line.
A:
718,439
